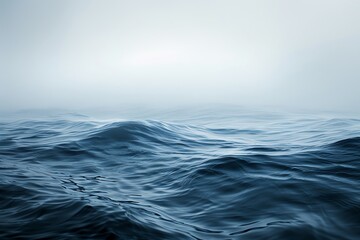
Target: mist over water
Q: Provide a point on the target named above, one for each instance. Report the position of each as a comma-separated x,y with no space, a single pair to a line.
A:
122,119
76,54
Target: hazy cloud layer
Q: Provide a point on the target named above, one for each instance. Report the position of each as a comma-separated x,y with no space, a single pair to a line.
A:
83,53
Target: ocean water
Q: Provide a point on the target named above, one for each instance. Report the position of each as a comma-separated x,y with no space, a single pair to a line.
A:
201,174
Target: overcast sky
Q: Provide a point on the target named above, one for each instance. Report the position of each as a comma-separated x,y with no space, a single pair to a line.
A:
85,53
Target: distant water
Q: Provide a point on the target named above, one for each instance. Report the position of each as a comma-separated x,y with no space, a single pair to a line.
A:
204,174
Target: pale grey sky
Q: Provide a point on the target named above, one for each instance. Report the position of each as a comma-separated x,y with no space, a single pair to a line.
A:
86,53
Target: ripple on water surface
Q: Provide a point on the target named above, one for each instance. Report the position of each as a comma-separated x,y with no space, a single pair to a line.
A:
271,178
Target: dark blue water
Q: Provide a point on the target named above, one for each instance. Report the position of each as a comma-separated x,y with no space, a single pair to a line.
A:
204,174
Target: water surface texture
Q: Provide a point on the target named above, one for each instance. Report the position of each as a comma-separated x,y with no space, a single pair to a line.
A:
189,175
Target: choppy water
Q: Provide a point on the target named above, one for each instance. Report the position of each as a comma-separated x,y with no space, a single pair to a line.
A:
200,175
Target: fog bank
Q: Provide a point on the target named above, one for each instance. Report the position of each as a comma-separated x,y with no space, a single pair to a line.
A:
78,54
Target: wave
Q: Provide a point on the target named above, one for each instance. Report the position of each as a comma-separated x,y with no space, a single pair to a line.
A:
69,179
145,133
352,144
